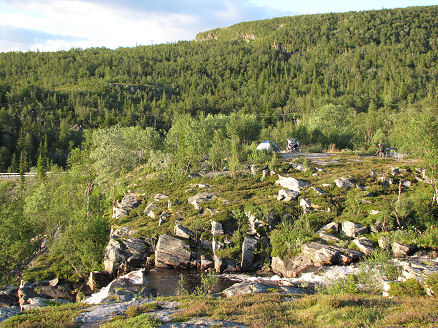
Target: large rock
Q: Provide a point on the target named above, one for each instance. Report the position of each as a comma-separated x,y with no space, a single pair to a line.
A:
344,183
98,280
172,252
364,244
287,195
128,202
306,205
34,294
314,255
224,264
254,224
7,312
327,231
248,248
352,229
199,198
151,210
245,288
183,232
402,250
291,183
126,288
124,253
216,228
9,296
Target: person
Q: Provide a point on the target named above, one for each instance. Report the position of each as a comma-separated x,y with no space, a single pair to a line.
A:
380,150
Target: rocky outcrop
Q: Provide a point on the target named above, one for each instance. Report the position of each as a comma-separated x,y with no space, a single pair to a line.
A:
151,210
314,255
402,250
172,252
7,312
128,202
98,280
243,288
33,295
329,232
305,205
344,183
9,296
291,183
216,228
364,244
352,229
287,195
248,248
224,264
125,253
182,232
199,198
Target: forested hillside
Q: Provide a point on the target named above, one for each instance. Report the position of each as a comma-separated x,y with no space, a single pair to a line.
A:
366,68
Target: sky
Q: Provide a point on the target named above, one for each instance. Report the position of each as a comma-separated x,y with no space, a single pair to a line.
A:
50,25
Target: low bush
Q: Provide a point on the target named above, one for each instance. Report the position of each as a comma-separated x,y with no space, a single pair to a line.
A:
432,284
410,287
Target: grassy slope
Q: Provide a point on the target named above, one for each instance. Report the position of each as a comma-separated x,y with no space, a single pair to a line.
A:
267,310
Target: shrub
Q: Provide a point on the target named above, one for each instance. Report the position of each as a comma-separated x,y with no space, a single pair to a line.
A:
347,285
288,240
432,283
410,287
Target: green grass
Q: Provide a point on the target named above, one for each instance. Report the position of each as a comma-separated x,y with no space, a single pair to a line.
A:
60,316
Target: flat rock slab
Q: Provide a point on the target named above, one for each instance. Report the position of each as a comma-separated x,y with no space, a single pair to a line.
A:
202,323
7,312
256,287
98,314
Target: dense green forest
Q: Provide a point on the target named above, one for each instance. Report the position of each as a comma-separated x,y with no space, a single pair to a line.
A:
111,117
370,66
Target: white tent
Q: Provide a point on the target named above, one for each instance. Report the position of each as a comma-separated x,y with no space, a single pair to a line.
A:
268,145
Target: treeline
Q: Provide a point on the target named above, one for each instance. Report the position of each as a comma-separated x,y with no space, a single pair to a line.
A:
370,64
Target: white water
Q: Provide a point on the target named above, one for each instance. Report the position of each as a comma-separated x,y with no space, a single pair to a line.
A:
319,277
136,278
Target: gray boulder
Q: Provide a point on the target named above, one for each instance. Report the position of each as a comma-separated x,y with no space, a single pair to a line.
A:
151,210
7,312
124,253
33,294
326,232
172,252
216,228
319,191
224,264
344,183
364,244
9,296
128,202
386,181
128,287
305,205
159,197
182,232
206,262
248,248
314,255
98,280
199,198
291,183
245,288
384,243
287,195
402,250
352,229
